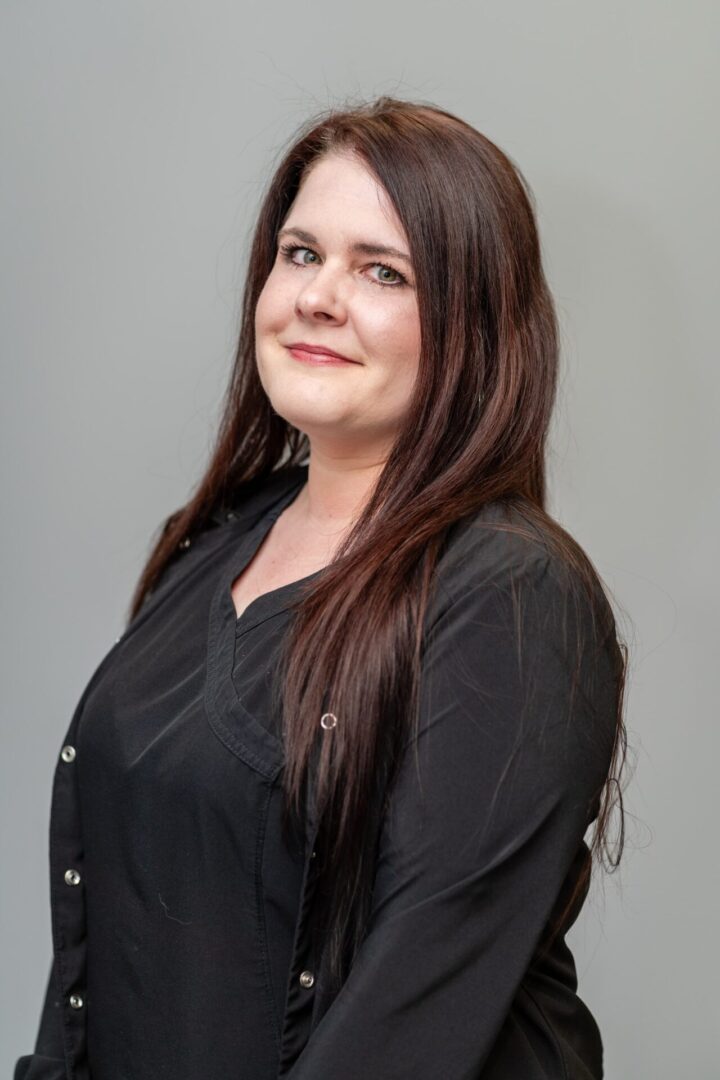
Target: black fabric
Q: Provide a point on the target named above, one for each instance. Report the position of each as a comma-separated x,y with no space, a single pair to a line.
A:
185,939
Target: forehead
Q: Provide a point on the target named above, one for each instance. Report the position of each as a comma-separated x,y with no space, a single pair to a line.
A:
339,189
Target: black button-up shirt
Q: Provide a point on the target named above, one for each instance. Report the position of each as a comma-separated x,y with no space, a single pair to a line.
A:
182,923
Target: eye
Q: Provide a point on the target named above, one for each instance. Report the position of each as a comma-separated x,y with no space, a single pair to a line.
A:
288,251
400,280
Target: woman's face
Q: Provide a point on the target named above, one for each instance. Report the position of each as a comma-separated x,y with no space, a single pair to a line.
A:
362,304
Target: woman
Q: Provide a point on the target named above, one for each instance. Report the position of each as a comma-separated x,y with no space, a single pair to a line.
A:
320,812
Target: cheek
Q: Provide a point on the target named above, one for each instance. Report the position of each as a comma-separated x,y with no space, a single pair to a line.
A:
271,308
393,333
263,310
393,347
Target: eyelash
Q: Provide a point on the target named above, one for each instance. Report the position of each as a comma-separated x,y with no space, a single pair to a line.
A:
288,250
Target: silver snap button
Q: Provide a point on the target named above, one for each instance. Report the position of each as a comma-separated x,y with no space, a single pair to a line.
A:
76,1002
307,978
328,720
68,753
72,877
313,854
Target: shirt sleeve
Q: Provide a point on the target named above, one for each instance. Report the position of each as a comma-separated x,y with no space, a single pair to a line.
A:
494,793
48,1060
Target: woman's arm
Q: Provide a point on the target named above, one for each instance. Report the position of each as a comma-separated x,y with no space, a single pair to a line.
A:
48,1060
474,852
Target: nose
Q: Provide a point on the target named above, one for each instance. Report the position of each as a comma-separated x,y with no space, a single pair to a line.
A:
320,296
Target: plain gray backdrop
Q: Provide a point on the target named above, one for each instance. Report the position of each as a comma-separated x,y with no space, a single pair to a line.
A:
136,140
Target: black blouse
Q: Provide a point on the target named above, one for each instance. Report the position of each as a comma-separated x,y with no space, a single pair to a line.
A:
182,924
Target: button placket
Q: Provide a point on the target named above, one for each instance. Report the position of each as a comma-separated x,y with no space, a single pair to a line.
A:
69,923
67,901
297,1019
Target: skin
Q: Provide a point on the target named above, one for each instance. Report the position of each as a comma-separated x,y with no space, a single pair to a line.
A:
328,295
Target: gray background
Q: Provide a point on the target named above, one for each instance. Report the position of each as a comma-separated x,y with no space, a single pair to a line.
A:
136,138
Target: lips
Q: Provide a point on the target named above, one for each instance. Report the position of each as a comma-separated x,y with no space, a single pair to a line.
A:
302,350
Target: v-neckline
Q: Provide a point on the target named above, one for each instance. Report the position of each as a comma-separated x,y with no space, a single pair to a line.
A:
273,601
241,732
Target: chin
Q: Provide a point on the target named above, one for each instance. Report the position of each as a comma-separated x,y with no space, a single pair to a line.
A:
309,414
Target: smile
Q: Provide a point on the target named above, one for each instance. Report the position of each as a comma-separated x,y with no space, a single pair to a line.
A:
319,359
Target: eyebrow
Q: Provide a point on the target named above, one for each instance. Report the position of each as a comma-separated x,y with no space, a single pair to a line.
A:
360,247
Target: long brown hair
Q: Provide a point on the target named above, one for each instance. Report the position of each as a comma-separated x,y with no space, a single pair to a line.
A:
475,432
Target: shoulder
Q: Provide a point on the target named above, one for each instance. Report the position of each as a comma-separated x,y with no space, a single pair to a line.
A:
252,498
501,559
227,521
523,637
495,546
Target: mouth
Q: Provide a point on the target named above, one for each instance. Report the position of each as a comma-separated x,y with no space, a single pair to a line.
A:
317,354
